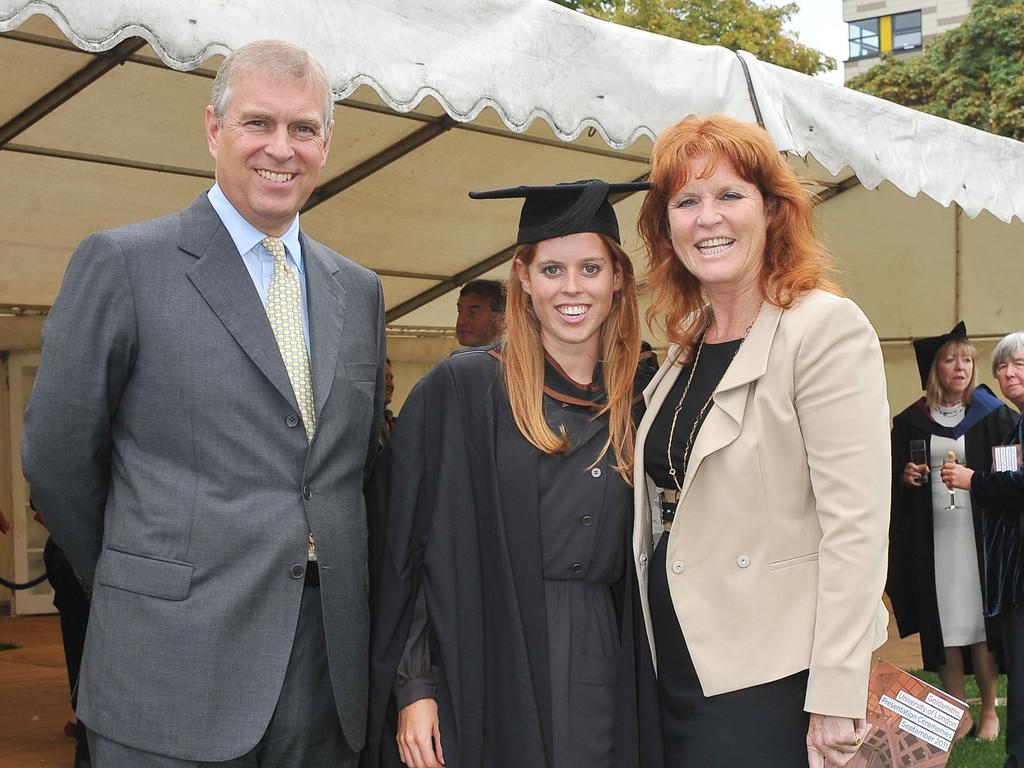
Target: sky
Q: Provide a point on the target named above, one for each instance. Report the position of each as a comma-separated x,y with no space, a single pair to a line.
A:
819,24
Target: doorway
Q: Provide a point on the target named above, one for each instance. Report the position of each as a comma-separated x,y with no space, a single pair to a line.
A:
29,536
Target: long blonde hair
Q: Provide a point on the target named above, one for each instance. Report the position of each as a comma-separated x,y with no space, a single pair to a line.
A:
522,357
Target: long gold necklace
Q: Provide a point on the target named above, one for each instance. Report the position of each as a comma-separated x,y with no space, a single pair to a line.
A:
704,408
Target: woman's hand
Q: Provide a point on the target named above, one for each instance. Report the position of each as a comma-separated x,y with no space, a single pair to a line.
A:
833,741
956,476
915,475
419,735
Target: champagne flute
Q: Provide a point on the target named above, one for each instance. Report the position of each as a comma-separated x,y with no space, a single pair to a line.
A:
951,459
919,455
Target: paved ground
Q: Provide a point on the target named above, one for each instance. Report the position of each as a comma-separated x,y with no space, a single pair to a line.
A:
34,691
33,695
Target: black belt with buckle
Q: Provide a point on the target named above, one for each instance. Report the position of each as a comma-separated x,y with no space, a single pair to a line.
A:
312,574
669,502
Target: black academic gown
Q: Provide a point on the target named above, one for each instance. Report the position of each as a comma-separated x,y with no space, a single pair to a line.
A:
520,557
910,583
1001,495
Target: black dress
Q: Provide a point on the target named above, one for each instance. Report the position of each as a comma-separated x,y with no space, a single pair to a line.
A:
536,665
764,725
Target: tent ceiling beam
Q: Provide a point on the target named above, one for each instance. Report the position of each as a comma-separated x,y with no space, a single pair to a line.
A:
470,273
410,275
137,165
427,296
419,332
44,105
834,190
381,160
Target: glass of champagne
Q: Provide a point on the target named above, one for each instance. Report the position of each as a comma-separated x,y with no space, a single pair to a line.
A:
919,455
951,459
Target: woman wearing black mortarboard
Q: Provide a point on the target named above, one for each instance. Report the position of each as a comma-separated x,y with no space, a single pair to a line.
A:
935,552
503,613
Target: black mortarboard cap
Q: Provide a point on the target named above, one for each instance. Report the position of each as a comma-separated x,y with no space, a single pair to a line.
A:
565,209
927,348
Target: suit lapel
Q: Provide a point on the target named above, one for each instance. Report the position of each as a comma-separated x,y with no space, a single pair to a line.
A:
725,418
220,276
326,318
654,395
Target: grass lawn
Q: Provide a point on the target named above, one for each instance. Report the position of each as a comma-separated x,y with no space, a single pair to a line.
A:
973,753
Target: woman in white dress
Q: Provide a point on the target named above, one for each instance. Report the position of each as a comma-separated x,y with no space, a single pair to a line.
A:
934,577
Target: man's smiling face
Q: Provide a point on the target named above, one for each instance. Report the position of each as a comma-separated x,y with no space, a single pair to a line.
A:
269,147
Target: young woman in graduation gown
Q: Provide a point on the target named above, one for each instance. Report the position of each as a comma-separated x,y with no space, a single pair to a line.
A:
504,613
935,554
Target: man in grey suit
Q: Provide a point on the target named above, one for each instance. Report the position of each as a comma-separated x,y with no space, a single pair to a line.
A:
206,408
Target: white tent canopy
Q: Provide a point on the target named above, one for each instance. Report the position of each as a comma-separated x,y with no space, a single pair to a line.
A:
100,125
535,59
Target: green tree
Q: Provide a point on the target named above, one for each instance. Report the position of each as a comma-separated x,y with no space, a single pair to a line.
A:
973,74
734,24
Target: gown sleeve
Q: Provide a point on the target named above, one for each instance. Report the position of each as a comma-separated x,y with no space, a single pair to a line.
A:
998,489
416,676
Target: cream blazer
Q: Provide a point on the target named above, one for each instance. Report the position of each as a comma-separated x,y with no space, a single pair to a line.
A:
777,558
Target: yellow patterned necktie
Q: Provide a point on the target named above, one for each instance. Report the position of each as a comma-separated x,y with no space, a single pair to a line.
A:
284,310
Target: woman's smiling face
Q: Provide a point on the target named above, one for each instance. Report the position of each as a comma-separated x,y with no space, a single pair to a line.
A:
571,282
718,226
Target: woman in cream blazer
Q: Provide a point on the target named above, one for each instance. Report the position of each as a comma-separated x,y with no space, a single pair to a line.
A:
763,606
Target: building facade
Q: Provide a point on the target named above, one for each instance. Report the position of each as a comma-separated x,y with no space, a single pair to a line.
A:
903,27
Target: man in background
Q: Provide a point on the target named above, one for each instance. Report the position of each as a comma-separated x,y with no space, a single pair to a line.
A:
481,308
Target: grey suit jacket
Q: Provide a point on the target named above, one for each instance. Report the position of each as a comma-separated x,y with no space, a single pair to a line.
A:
164,455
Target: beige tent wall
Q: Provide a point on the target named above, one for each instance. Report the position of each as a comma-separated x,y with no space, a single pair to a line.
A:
993,268
895,259
916,270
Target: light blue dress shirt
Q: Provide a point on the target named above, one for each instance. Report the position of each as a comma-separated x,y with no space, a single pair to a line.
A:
259,262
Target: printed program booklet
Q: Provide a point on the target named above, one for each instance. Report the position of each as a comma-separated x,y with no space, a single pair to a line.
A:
910,723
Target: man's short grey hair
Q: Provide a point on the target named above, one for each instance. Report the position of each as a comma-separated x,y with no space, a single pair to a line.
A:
276,58
1010,346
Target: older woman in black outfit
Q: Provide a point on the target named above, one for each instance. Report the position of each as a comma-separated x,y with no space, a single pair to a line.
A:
935,551
1001,496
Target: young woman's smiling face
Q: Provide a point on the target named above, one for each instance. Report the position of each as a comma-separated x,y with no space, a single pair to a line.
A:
571,282
718,226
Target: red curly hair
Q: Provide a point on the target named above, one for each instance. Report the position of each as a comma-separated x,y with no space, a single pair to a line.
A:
794,261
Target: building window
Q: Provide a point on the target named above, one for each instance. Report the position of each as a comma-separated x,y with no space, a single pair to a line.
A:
864,40
906,31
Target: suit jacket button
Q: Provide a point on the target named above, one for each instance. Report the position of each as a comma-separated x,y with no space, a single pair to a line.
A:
643,560
576,568
291,420
307,492
678,567
743,561
587,520
297,571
